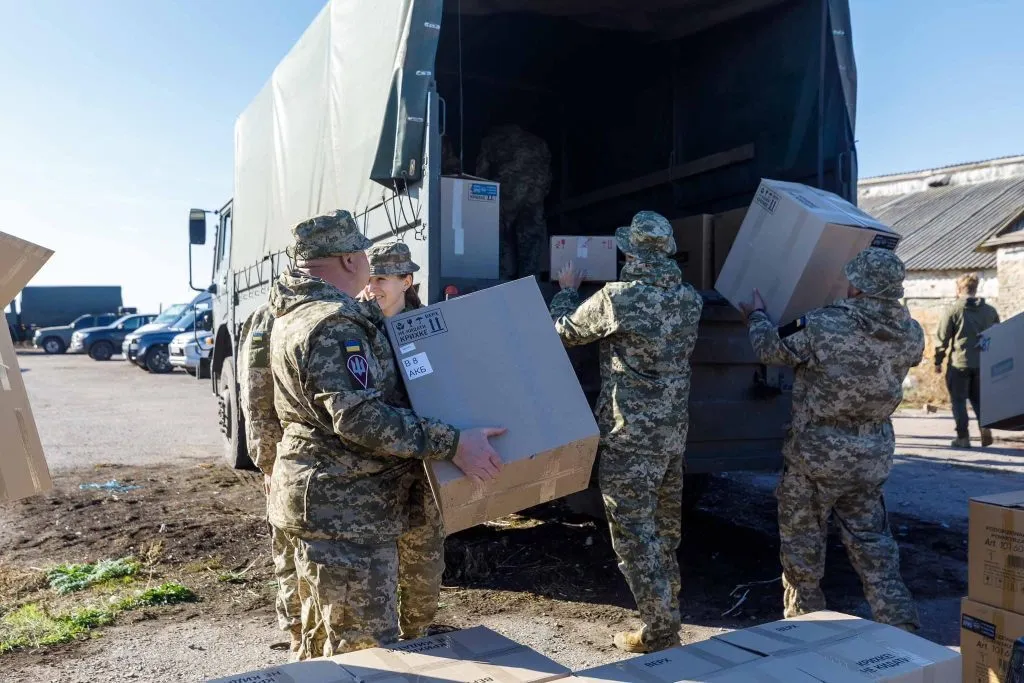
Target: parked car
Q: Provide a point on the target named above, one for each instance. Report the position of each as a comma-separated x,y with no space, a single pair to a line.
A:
101,343
58,339
170,316
152,351
190,351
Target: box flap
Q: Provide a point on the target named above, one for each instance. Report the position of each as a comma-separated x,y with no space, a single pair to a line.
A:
789,635
19,262
1011,499
830,207
675,664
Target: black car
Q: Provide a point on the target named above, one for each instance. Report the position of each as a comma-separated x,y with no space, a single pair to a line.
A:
101,343
150,350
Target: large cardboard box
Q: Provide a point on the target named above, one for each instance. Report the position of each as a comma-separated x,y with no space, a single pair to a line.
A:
23,470
995,550
316,671
986,641
695,237
597,256
793,245
689,662
1002,375
469,656
493,358
800,633
727,227
469,228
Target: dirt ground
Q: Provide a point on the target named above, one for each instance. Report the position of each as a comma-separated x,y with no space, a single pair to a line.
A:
547,577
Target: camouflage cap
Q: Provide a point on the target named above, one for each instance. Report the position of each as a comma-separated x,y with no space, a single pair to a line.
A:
648,237
391,258
331,234
878,273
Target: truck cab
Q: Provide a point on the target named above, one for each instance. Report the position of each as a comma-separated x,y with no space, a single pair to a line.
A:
679,108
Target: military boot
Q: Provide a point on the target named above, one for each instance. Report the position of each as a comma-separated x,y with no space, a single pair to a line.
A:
986,438
634,642
961,442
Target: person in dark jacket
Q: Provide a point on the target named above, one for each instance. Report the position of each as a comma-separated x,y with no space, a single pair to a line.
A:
957,339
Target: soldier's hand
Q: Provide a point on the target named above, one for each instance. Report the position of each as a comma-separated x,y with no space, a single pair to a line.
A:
569,277
475,456
756,304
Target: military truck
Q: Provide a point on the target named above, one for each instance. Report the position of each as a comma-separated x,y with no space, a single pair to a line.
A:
674,106
58,310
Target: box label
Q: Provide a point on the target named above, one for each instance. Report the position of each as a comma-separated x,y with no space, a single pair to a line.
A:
888,660
979,626
1002,367
483,192
767,199
417,327
885,242
417,366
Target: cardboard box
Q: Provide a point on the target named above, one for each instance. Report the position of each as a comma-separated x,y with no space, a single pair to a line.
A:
469,656
1002,375
470,228
793,245
876,652
986,641
727,227
598,256
493,358
314,671
23,470
694,248
806,667
995,550
689,662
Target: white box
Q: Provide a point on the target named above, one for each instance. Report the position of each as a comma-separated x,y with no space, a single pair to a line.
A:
1002,375
793,245
23,470
597,256
314,671
685,663
470,219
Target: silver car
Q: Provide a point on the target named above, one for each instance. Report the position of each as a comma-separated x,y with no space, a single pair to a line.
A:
191,352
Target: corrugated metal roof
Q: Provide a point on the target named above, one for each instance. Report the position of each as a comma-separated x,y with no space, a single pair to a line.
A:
942,226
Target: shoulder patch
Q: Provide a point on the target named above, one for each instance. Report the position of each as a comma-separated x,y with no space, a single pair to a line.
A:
793,327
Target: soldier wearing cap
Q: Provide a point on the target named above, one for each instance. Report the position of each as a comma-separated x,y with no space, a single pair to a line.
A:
347,461
850,360
647,327
391,285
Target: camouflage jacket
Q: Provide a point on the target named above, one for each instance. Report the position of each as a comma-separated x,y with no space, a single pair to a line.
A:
262,428
519,160
959,329
351,443
850,360
647,328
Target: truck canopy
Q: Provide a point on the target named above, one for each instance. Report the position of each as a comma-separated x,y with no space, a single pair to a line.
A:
42,306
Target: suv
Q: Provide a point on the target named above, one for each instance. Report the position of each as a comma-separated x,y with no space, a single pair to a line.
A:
168,316
151,351
58,339
101,343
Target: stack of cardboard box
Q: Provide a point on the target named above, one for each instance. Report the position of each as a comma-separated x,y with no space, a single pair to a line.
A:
992,614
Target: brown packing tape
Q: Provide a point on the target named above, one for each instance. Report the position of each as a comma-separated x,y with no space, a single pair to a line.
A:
1008,598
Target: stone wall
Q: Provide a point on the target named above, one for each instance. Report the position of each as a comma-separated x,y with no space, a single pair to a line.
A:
1010,262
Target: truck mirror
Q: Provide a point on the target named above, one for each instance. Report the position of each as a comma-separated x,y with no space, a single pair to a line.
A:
197,226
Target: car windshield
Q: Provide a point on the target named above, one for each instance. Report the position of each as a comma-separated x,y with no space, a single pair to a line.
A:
120,320
187,322
170,314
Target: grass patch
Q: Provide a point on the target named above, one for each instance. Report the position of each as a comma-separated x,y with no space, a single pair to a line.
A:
70,578
33,626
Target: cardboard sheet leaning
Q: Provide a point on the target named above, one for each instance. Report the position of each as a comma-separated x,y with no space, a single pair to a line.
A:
23,470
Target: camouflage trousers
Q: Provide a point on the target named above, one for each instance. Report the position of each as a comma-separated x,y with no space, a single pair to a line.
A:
355,596
287,602
524,234
805,506
643,499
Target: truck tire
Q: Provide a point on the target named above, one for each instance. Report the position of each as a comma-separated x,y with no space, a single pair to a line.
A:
53,345
158,360
232,425
101,350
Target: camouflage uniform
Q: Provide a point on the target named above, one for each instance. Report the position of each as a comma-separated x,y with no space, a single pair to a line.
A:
851,359
421,548
521,163
347,466
647,327
263,432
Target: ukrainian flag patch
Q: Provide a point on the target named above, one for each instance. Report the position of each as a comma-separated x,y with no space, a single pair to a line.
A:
353,347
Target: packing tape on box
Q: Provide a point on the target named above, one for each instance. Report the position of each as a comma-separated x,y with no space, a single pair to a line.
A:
1008,598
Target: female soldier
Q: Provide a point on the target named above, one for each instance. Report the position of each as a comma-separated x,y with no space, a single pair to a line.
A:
421,548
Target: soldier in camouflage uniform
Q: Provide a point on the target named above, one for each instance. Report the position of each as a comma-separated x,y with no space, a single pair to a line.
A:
391,278
851,359
647,328
348,460
521,163
263,432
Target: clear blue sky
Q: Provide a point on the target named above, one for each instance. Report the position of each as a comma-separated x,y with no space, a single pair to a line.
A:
118,115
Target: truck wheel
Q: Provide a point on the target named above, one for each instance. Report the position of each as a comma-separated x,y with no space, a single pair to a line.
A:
158,360
101,351
53,345
232,424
